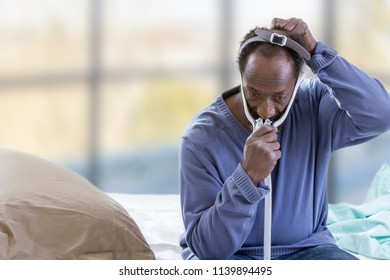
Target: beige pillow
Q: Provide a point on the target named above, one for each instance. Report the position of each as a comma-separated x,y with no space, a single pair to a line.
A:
49,212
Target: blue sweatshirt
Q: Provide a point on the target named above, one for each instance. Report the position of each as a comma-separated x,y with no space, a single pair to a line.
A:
223,210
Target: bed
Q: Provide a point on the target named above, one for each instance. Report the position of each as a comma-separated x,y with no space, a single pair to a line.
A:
159,219
363,230
49,212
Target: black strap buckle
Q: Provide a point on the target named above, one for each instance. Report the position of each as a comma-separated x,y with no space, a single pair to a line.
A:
278,39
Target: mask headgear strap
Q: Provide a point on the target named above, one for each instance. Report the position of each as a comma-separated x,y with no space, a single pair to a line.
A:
277,39
280,40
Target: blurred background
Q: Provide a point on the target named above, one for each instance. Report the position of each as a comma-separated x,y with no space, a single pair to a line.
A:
106,88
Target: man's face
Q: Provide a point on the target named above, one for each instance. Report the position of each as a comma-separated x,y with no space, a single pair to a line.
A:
268,85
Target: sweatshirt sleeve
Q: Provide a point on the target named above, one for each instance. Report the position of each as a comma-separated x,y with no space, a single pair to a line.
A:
358,107
218,216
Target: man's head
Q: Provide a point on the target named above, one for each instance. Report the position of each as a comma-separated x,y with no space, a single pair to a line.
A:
268,49
269,73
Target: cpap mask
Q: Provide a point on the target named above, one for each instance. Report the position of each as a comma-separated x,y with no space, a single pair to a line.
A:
257,123
283,41
280,40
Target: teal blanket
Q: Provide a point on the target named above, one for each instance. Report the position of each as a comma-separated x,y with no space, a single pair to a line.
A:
365,229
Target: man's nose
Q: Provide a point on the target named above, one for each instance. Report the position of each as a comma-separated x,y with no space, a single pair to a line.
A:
266,109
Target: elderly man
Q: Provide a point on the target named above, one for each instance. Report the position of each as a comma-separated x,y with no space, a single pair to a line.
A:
254,164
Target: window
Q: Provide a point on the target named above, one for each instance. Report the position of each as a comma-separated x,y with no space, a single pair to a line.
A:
362,37
44,62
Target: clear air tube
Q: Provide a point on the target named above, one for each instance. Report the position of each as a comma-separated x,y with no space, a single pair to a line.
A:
268,181
267,208
268,219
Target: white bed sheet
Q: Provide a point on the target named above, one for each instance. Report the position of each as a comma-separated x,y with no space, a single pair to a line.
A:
159,219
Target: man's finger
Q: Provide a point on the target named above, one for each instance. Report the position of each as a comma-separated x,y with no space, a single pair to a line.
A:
291,24
275,22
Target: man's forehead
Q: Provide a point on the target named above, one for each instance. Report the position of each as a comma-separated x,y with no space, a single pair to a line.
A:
268,70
